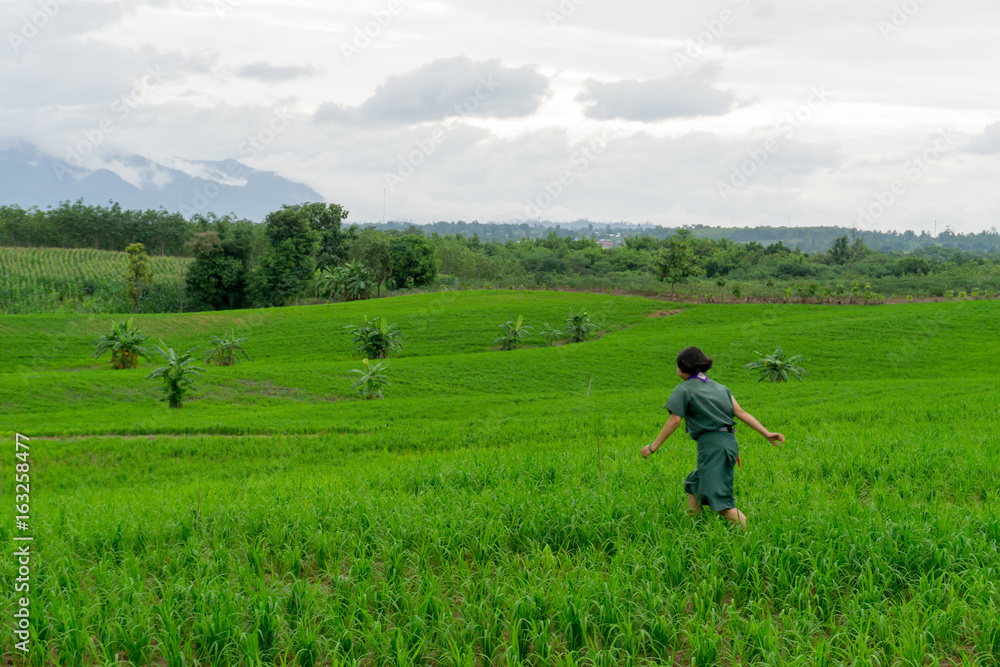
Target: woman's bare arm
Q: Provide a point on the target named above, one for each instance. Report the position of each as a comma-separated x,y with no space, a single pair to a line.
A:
751,421
665,433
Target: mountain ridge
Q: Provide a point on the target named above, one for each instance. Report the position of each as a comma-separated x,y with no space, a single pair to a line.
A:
30,177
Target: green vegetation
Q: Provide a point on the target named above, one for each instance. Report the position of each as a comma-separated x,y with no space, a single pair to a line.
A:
513,333
126,344
350,282
138,275
226,349
306,249
550,334
467,517
778,367
372,380
375,339
578,327
48,280
176,375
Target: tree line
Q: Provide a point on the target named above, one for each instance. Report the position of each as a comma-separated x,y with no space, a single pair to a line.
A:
308,250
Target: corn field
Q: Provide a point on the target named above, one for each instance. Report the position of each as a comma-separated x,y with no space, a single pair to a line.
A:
53,280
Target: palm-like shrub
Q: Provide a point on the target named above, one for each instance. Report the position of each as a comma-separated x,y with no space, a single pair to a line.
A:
126,343
578,326
375,339
513,333
226,349
351,282
551,335
176,374
371,381
778,367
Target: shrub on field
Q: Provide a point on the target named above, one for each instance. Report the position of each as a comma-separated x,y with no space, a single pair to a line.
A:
350,282
375,339
126,344
513,333
176,374
551,335
778,367
226,349
371,381
578,326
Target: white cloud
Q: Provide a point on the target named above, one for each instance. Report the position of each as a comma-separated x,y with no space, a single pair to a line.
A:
228,74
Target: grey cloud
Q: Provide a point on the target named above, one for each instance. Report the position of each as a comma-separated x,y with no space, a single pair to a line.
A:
681,96
449,86
263,71
988,142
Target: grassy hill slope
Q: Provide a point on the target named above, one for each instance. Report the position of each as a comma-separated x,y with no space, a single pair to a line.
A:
490,510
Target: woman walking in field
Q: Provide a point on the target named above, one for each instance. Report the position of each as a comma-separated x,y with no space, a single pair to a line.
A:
709,410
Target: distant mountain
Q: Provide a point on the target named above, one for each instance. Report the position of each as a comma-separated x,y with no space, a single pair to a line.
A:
29,177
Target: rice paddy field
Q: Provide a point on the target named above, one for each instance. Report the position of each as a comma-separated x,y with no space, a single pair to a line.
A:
493,509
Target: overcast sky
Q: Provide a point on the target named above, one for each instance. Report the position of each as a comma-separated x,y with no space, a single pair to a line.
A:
875,114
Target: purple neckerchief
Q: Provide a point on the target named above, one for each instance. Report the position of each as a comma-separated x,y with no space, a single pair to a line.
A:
698,376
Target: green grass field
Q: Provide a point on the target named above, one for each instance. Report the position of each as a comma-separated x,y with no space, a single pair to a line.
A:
489,511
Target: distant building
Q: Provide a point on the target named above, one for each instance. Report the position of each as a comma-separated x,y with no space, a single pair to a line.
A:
607,245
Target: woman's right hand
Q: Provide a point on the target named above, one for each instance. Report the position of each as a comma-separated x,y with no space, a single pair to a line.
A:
775,439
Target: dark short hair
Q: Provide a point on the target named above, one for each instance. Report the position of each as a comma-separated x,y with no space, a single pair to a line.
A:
691,360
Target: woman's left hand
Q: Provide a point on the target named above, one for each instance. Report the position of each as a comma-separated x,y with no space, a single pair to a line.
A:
646,451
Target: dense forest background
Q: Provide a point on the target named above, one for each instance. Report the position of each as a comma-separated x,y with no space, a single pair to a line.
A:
308,251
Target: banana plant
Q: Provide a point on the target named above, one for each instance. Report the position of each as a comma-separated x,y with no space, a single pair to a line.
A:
176,374
226,350
371,381
375,339
126,344
512,334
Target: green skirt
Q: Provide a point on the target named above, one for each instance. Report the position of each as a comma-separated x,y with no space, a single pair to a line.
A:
712,482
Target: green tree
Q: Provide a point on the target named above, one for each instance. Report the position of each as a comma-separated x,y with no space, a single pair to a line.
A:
291,260
415,260
327,220
374,249
840,251
216,280
676,262
138,274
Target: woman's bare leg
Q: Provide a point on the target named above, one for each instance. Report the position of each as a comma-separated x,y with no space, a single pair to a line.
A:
694,507
735,516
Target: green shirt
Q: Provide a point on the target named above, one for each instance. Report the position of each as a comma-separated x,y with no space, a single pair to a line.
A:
705,406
